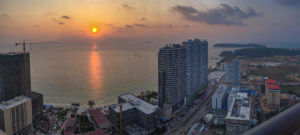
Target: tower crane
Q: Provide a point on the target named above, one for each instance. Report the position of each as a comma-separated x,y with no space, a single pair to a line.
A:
24,43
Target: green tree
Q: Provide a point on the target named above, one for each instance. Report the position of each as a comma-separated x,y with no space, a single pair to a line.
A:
91,103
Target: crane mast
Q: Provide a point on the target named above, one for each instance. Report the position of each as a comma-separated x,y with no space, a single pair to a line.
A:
24,43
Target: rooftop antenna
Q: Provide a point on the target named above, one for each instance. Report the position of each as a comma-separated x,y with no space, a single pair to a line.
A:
24,43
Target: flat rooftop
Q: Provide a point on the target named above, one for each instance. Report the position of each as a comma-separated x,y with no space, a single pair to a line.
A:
221,90
134,102
13,102
239,109
273,87
271,81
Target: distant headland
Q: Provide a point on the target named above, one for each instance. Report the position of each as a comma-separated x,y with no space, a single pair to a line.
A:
231,45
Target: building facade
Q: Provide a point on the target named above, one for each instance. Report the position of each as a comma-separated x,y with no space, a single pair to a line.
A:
232,70
272,94
134,110
238,116
172,76
219,97
12,75
12,81
196,65
16,116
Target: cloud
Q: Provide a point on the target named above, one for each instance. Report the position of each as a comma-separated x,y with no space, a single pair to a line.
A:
224,14
140,25
288,2
129,26
4,15
148,41
128,7
58,22
66,17
186,25
144,19
170,25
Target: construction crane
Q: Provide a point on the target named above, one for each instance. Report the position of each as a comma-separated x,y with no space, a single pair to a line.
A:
24,43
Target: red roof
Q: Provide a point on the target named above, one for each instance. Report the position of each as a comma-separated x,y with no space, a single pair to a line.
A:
98,116
70,122
271,81
68,132
273,87
96,132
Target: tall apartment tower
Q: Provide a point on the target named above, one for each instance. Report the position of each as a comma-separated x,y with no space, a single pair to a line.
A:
233,72
16,116
12,81
12,75
196,65
172,76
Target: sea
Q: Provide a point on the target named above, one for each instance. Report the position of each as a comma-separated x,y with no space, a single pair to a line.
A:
67,74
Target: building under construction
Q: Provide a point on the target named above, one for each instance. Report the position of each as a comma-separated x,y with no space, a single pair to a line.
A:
13,80
12,75
134,110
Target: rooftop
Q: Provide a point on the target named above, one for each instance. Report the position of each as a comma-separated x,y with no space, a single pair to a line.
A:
196,40
242,94
273,87
172,46
96,132
239,109
70,122
134,102
98,116
271,81
221,90
13,102
10,53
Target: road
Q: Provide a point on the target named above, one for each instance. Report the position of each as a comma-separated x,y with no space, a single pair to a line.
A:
197,116
181,128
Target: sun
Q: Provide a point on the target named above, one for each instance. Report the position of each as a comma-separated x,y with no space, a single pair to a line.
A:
95,29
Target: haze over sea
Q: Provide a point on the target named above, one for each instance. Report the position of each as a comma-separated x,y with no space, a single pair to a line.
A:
77,73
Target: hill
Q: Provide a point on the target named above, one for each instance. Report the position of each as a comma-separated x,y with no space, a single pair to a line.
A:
230,45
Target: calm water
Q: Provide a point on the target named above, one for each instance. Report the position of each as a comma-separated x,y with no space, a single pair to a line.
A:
78,73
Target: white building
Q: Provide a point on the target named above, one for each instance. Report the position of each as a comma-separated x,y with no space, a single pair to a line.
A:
219,97
238,115
16,116
232,94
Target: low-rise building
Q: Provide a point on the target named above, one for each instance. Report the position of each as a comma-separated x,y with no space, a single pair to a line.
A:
99,119
134,110
69,126
219,97
16,116
238,116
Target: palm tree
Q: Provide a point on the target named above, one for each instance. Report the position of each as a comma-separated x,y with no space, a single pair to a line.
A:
91,103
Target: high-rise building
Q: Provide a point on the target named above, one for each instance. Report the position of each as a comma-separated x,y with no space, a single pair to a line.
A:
12,81
233,72
12,75
272,94
16,116
172,76
196,65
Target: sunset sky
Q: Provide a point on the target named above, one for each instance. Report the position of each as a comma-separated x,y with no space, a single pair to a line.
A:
274,22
